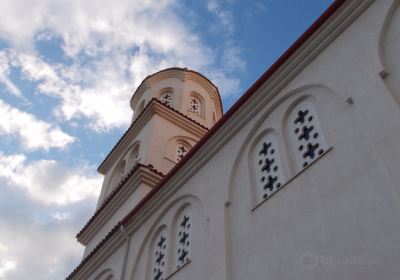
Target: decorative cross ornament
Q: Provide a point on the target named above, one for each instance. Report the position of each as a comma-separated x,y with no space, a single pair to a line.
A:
181,152
306,132
185,221
264,150
161,241
166,99
183,238
307,137
301,116
270,183
269,175
194,106
159,257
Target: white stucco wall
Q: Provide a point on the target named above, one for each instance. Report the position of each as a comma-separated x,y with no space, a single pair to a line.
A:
339,217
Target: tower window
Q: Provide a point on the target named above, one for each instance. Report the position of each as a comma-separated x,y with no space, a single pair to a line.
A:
306,133
134,155
159,256
268,168
181,150
117,175
121,170
195,105
183,233
166,98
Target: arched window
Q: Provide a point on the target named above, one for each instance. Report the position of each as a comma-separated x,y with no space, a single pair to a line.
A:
119,172
159,255
117,175
196,105
166,98
306,134
183,234
268,167
181,150
134,157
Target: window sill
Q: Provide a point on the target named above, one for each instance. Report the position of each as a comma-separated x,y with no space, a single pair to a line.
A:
178,269
291,179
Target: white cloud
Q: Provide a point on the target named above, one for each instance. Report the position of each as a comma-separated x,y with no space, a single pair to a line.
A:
38,251
225,83
5,74
34,133
61,216
43,204
231,57
111,46
98,91
6,266
48,181
3,248
104,50
224,18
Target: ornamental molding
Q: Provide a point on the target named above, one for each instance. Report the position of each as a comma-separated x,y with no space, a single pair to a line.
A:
137,176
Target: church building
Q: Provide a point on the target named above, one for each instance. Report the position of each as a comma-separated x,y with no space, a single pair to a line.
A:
299,179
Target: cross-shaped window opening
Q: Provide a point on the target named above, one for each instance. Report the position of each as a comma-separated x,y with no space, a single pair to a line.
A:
166,98
195,105
181,151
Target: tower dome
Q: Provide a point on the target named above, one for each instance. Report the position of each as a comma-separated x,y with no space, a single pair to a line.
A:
186,91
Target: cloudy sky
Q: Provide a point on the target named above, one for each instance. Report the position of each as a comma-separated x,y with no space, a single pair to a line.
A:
67,71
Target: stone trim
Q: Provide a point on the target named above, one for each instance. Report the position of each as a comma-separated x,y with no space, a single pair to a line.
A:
138,174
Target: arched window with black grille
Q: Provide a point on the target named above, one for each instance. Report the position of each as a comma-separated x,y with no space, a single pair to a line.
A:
183,236
306,134
268,167
159,255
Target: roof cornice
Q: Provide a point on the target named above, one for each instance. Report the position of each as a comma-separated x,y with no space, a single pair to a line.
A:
138,174
323,31
153,107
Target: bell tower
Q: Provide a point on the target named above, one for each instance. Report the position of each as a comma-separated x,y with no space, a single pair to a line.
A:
172,110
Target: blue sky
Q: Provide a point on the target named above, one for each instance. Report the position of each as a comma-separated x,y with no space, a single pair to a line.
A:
67,72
